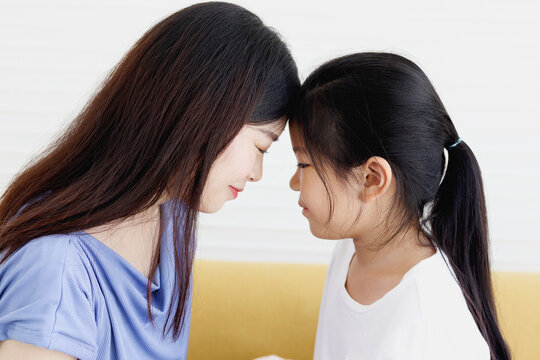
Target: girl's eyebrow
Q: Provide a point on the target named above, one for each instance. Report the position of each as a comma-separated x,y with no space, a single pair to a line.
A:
271,134
298,149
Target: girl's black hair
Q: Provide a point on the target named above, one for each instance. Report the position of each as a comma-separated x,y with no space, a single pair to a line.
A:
381,104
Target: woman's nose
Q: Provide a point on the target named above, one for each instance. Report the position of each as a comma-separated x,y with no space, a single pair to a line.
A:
257,171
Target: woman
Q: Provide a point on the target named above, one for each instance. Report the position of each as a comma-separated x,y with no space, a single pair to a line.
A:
97,235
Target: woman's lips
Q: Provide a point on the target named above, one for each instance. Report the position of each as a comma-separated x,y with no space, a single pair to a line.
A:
235,191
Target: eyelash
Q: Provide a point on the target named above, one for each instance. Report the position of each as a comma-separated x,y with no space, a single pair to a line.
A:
262,151
301,166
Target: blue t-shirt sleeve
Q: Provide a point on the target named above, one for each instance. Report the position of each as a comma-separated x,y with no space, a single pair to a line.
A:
46,298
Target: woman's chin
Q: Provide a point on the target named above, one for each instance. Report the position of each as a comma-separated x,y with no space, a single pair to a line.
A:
211,208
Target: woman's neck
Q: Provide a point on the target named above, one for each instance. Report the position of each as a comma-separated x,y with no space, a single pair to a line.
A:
134,238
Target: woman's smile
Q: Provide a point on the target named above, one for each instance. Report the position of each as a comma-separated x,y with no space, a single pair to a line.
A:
235,191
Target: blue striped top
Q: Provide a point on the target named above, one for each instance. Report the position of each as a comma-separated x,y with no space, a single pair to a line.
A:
74,294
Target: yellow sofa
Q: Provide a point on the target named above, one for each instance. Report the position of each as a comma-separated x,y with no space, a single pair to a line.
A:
245,310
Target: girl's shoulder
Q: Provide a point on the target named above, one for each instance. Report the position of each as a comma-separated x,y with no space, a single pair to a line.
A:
343,249
439,292
447,319
435,279
341,256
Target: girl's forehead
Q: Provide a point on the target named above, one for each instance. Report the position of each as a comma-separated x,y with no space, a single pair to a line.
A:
295,133
297,142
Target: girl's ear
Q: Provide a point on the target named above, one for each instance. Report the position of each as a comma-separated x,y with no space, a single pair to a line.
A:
376,178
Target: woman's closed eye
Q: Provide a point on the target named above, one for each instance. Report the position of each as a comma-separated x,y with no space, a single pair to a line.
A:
301,165
262,150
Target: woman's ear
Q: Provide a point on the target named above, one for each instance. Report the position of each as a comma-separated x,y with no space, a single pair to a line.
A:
376,178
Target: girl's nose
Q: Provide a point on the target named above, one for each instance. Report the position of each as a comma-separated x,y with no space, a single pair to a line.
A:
294,183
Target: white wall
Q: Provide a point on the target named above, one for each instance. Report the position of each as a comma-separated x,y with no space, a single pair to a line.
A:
482,56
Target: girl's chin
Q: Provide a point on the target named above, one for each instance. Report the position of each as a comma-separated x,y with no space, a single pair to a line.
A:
322,233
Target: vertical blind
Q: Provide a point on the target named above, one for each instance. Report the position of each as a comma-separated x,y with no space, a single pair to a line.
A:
482,60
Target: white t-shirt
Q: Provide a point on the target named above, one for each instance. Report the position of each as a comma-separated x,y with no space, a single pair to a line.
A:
425,317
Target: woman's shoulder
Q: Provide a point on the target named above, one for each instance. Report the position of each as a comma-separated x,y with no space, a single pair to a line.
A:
46,296
46,264
49,250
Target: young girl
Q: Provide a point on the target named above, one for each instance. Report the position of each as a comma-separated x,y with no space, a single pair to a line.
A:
412,279
96,236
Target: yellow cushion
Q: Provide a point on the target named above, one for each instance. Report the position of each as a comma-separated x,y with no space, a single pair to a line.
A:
517,296
245,310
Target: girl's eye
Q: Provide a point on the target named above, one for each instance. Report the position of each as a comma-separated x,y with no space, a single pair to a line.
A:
262,151
301,166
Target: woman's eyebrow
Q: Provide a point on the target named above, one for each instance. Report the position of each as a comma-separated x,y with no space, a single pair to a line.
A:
271,134
297,149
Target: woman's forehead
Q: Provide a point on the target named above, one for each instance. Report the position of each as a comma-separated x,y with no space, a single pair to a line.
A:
273,130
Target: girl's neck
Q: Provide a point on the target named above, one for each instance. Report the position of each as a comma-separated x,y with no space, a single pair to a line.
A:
398,256
375,270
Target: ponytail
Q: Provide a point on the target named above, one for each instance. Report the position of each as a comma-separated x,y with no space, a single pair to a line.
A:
381,104
459,228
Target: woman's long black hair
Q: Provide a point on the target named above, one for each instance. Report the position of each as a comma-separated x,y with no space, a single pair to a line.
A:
381,104
155,127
